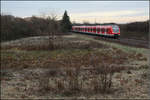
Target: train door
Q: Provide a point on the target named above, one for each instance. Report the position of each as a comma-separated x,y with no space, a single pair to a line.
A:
94,30
78,29
81,29
103,31
88,29
108,31
73,29
91,29
85,29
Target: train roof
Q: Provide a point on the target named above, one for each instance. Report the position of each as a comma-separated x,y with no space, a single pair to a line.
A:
113,26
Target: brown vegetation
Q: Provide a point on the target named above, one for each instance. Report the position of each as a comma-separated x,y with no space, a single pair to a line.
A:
73,69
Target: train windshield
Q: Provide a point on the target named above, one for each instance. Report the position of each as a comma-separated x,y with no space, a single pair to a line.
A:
116,30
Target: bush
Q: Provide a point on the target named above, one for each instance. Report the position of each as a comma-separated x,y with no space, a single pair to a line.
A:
135,29
102,82
14,27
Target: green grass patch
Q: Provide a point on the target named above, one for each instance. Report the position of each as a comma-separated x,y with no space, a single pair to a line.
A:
125,48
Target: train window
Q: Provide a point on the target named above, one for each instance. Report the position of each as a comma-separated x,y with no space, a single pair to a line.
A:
108,30
91,30
88,29
85,29
103,30
94,29
98,30
115,30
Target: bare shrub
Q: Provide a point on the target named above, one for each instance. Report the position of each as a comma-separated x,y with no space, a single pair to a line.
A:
52,29
44,80
5,75
103,80
118,68
140,56
72,65
73,80
144,74
35,47
70,80
43,83
94,44
68,84
60,86
144,67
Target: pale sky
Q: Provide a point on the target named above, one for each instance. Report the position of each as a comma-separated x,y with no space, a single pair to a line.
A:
81,11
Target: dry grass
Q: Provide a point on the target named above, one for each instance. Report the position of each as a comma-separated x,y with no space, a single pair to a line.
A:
74,68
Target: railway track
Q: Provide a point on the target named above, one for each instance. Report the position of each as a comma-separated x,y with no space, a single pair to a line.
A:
125,41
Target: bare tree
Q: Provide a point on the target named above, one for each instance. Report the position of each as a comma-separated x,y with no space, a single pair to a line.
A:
52,29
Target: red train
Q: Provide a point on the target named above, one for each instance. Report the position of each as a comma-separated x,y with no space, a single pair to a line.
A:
103,30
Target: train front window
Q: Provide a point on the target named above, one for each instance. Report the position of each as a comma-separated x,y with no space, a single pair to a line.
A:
116,30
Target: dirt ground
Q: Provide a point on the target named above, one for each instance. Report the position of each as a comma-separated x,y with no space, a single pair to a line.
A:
70,70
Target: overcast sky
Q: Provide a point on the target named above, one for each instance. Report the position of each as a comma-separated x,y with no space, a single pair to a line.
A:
81,11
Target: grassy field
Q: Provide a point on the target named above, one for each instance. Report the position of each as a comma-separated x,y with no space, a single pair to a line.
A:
79,66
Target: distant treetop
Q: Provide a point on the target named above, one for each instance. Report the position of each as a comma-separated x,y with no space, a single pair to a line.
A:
65,23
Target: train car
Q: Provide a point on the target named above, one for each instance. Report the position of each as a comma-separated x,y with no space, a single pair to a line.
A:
103,30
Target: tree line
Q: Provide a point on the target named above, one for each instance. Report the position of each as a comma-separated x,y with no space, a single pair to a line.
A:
136,26
135,29
16,27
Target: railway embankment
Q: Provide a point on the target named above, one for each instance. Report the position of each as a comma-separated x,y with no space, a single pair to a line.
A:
76,67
